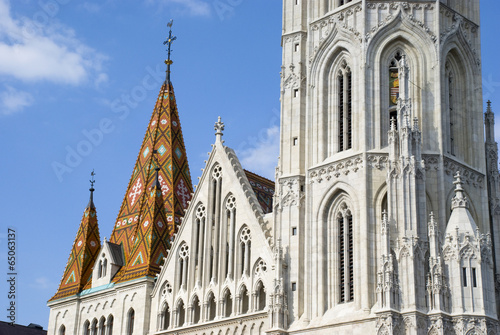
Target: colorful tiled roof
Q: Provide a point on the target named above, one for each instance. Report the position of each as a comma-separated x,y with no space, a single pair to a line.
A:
263,189
83,255
163,146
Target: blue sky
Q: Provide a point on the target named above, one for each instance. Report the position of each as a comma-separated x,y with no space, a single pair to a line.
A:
69,69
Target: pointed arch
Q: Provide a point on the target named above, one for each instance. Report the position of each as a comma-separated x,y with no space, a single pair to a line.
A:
195,310
244,250
212,306
244,299
181,313
260,297
62,330
165,316
227,301
130,321
109,324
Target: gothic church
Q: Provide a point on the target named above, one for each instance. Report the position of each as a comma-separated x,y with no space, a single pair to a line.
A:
384,217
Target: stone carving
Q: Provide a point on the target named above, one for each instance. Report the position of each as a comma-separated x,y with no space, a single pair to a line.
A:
469,176
290,192
336,169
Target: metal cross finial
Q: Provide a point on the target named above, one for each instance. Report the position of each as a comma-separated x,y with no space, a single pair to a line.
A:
219,127
92,181
168,42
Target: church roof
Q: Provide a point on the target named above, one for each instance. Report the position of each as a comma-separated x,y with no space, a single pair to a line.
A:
83,254
263,189
163,147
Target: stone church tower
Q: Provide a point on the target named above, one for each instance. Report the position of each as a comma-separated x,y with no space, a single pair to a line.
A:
384,217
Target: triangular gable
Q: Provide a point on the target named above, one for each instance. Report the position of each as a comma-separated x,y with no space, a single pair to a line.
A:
235,182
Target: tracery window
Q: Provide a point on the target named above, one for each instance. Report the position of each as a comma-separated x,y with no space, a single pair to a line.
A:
245,250
345,254
183,265
200,222
230,231
344,91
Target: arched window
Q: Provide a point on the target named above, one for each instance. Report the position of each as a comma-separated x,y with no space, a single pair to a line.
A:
165,316
196,310
228,304
104,267
94,327
201,216
245,300
109,325
229,241
344,108
212,307
183,265
261,297
345,254
62,330
130,321
450,105
394,87
245,250
181,313
99,271
102,326
86,328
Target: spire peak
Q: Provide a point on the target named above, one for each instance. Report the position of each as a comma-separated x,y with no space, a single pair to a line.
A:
459,200
219,127
171,38
91,189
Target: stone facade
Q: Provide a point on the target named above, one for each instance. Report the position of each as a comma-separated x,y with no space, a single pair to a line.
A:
386,212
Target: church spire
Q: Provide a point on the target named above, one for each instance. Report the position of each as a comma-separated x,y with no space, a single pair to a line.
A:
83,253
162,164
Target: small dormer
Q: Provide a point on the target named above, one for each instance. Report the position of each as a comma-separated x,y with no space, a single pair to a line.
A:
107,264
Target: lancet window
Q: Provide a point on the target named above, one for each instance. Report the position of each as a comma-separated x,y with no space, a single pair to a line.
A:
62,330
227,304
394,87
165,317
244,300
230,231
195,310
199,244
86,328
109,325
181,314
260,298
344,108
130,321
345,254
450,104
212,307
183,261
245,250
102,326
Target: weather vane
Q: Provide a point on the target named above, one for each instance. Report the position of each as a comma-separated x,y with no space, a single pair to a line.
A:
92,181
168,42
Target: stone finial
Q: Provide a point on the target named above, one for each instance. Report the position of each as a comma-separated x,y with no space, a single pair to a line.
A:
219,127
459,200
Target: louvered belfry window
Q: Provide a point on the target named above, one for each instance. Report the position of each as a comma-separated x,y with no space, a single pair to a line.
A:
344,89
345,255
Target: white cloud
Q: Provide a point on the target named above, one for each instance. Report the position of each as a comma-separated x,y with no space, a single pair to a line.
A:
262,156
188,7
41,283
40,49
12,100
